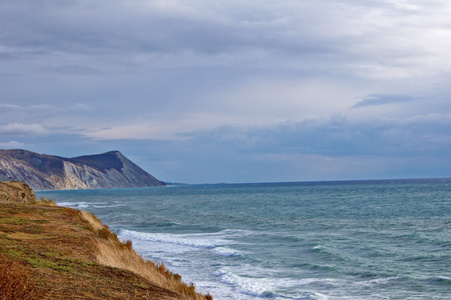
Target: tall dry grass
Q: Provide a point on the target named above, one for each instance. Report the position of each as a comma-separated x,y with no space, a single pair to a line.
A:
15,282
92,219
113,253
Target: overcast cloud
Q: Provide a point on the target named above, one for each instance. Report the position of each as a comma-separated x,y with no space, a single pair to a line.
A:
214,91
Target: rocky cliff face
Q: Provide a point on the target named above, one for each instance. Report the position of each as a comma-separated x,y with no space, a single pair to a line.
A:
16,191
46,172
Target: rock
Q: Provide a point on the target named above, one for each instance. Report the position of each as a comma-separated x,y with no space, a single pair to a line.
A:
16,191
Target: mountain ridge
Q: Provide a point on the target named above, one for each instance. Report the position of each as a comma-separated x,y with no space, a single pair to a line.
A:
47,172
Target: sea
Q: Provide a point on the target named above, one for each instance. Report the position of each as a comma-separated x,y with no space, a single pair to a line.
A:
386,239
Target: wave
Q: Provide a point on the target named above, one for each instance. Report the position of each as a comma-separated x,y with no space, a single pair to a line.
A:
273,288
258,287
214,242
442,280
225,251
329,252
191,240
166,224
108,206
83,204
74,204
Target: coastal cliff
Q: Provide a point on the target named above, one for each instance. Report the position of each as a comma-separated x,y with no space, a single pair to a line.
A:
47,172
16,191
52,252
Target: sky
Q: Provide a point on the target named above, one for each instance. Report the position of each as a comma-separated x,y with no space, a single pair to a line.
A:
207,91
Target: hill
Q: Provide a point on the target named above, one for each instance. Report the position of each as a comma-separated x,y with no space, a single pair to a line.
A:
52,252
47,172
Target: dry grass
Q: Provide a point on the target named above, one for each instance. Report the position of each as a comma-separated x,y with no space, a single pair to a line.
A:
92,219
123,256
113,253
15,282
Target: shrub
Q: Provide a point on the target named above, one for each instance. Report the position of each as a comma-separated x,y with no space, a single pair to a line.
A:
47,202
128,245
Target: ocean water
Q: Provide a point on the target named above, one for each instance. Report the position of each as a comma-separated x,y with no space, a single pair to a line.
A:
323,240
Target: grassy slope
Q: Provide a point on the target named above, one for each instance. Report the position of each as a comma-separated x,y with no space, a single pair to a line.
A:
61,253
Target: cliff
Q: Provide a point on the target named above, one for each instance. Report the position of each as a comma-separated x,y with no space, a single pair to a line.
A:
52,252
16,191
46,172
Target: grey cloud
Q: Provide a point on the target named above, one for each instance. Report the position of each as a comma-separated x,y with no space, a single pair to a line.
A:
382,99
289,33
380,137
82,27
314,148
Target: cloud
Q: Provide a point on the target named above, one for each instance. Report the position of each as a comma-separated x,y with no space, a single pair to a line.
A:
421,135
382,99
12,145
46,107
167,127
22,129
359,37
311,149
9,106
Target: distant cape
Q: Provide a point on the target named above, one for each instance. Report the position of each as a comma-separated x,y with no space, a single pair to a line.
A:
46,172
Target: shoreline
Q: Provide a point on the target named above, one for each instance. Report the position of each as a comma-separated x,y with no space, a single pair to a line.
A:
56,252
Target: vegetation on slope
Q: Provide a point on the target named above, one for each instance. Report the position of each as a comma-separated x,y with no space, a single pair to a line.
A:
51,252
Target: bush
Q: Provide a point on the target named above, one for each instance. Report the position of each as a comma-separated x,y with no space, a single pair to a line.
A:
47,202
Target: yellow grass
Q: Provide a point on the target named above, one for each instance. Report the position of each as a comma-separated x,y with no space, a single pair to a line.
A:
92,219
124,257
25,236
111,252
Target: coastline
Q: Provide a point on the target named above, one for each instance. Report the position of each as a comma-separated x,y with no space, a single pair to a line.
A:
54,252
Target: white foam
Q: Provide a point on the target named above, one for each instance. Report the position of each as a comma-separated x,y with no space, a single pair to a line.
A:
232,281
225,251
255,287
67,204
190,240
247,285
73,204
86,204
234,232
108,206
318,247
382,280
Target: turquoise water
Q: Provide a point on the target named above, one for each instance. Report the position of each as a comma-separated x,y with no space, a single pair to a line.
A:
330,240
